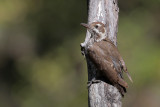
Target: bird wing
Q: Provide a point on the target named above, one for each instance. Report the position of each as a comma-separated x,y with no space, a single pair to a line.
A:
102,60
113,54
118,61
117,66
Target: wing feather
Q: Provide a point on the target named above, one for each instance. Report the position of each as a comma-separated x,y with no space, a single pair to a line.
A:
105,64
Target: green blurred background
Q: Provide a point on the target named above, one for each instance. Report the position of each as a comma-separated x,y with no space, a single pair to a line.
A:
40,60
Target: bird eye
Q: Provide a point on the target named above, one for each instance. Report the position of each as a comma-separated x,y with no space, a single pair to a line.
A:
96,26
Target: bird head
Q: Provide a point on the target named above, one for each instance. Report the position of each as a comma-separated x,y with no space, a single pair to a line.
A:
97,30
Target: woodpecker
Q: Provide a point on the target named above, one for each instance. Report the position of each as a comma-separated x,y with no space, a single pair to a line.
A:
106,57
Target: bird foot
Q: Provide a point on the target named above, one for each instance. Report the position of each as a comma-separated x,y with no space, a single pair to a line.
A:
82,45
89,83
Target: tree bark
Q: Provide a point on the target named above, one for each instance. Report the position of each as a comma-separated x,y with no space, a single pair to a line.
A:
106,11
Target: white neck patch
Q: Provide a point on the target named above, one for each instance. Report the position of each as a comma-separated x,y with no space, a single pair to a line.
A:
102,35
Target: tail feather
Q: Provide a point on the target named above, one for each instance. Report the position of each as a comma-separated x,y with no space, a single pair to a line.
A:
121,89
122,83
129,77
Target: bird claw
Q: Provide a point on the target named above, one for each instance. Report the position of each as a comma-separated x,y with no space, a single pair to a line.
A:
82,49
89,83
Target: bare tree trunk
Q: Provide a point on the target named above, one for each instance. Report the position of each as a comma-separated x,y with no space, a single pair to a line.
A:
105,11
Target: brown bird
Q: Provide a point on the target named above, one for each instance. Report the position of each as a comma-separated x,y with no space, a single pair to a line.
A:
106,57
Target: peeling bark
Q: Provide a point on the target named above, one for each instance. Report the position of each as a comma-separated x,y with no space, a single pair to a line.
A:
105,11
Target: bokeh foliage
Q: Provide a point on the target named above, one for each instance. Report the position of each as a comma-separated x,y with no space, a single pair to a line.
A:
40,60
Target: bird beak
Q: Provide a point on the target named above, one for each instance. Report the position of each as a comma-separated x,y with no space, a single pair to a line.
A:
85,25
88,28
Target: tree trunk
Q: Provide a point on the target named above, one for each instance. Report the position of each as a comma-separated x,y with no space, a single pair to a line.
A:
105,11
